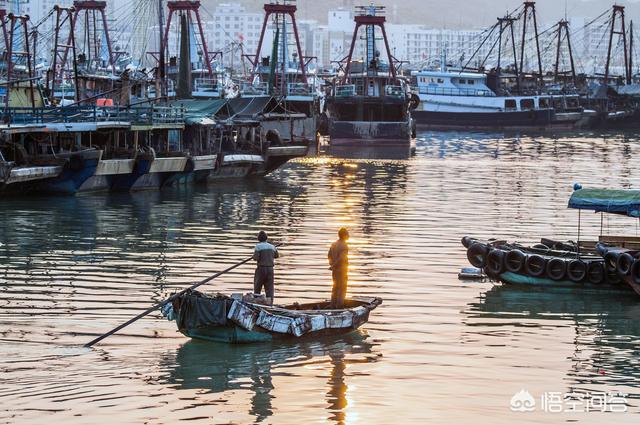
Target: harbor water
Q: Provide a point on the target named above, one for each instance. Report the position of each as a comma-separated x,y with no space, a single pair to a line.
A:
438,350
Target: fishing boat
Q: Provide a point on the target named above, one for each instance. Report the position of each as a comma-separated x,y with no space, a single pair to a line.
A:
621,254
452,99
369,102
245,319
610,263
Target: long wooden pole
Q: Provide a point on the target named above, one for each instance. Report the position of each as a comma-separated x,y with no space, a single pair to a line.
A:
161,304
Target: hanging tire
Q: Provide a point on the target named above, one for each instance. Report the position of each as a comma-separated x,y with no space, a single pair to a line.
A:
611,261
624,263
495,262
467,241
576,270
613,278
595,272
635,272
556,269
514,261
535,265
477,255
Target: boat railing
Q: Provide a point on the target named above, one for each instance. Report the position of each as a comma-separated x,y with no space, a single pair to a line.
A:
150,115
348,90
250,88
394,91
454,91
206,84
299,89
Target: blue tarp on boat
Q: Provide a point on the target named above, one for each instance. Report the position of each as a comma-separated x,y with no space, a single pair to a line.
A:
620,201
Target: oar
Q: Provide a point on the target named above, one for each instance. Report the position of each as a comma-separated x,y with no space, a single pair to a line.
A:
168,300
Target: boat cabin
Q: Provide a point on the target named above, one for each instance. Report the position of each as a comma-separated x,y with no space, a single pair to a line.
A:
452,83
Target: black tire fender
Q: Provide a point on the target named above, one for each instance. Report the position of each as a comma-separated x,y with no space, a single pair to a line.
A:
611,261
535,265
635,272
467,241
514,261
495,262
477,254
577,270
595,272
556,268
624,263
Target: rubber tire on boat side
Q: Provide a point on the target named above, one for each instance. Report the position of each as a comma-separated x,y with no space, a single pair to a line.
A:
611,261
613,278
514,261
535,265
595,272
635,272
495,262
556,268
467,241
577,270
477,255
624,263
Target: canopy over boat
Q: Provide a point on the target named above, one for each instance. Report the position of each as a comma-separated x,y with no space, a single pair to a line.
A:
620,201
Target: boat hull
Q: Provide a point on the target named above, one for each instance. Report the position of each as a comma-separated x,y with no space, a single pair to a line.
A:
249,319
77,170
371,134
234,334
522,279
536,119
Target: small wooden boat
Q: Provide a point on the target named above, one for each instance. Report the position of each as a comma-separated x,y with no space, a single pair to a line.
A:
237,319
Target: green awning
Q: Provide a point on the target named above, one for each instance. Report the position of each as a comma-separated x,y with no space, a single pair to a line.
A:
198,111
618,201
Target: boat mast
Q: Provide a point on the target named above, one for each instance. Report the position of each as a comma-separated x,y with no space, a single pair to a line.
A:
530,10
161,58
630,72
563,26
617,10
366,19
281,11
505,22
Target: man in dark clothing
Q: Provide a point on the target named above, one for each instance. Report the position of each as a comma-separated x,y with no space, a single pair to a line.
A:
264,254
339,265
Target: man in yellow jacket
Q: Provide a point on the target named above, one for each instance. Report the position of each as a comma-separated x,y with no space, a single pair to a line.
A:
339,264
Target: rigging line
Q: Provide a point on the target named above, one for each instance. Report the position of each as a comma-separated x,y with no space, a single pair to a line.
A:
480,46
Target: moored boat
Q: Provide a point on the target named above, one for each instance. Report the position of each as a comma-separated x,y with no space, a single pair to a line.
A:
610,263
368,104
549,263
621,254
235,319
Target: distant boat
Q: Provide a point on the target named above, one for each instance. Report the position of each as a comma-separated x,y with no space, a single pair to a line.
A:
231,320
463,100
368,103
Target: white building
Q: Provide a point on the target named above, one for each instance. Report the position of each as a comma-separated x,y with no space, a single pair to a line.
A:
233,31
